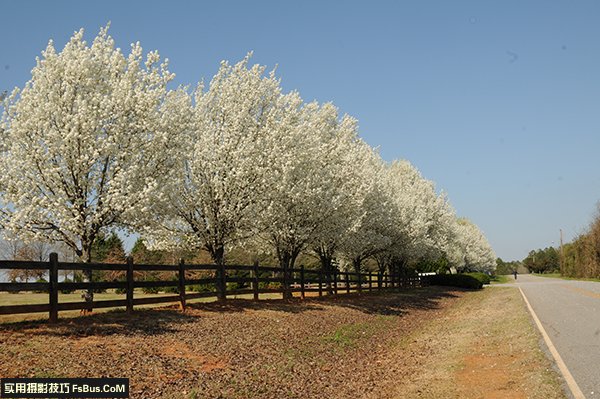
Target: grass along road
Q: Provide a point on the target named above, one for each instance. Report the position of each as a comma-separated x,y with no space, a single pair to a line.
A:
483,347
428,343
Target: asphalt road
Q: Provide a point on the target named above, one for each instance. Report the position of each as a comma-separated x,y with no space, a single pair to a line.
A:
570,313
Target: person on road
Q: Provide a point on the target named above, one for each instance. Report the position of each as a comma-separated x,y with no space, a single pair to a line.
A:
515,273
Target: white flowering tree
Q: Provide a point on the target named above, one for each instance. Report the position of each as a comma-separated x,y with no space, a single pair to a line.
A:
340,153
303,163
86,142
470,250
218,184
418,222
370,232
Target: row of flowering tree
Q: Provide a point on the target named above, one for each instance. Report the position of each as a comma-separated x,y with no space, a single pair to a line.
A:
96,141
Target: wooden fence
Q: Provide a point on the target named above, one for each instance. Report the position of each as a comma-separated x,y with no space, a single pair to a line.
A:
252,281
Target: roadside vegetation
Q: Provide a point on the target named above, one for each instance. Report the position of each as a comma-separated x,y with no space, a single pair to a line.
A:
579,259
582,255
439,342
491,350
500,279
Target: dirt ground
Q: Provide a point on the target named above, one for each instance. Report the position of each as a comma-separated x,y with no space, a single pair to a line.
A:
429,343
484,346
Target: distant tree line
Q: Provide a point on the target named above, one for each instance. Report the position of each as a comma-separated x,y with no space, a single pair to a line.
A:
503,267
581,257
545,260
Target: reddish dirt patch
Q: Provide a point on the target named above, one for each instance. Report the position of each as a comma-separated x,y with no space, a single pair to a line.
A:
193,360
490,377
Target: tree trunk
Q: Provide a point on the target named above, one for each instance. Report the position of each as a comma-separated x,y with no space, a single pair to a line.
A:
381,266
86,256
357,262
284,263
287,259
327,269
217,254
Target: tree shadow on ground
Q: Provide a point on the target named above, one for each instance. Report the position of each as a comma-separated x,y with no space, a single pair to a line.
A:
393,303
141,322
396,303
168,319
295,305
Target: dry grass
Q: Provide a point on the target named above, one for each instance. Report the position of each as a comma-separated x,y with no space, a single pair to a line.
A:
429,343
484,347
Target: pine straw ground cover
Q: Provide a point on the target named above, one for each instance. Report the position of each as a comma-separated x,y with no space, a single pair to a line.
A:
428,343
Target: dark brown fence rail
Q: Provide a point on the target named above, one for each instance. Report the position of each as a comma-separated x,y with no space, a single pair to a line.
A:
248,279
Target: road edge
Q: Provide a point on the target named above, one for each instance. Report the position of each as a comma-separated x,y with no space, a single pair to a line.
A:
573,387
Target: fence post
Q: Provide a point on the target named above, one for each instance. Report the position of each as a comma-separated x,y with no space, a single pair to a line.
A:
53,287
255,281
302,293
221,282
320,282
182,284
370,282
359,282
129,293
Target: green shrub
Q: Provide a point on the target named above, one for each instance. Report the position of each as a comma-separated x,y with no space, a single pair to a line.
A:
97,276
40,280
121,291
269,285
201,288
150,290
456,280
66,290
484,278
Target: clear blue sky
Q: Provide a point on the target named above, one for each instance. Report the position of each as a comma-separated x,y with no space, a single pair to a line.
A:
497,102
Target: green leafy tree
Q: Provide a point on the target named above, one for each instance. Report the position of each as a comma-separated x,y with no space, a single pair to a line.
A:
543,260
108,249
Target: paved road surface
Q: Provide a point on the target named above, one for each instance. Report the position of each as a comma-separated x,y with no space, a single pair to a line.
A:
570,313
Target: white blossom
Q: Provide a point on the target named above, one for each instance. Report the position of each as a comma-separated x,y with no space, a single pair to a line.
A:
470,250
85,142
220,176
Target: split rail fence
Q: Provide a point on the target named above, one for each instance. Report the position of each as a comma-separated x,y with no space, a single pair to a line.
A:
297,280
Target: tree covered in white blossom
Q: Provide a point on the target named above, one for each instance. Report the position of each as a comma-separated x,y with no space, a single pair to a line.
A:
304,160
220,172
86,142
96,140
470,250
371,230
418,219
